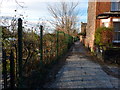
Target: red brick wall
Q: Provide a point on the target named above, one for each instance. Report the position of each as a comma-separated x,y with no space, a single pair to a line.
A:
94,9
90,24
101,7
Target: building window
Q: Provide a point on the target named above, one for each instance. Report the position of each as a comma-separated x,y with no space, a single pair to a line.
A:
116,32
115,6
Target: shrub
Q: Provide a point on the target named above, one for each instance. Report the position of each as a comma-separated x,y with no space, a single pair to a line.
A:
104,36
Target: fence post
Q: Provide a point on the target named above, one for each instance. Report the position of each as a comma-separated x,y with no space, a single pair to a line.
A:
41,44
12,70
4,68
20,48
16,63
1,56
57,46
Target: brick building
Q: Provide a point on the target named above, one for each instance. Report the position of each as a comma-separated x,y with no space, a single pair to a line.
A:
83,32
83,27
102,14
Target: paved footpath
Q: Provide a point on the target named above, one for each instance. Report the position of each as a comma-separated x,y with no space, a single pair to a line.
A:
81,72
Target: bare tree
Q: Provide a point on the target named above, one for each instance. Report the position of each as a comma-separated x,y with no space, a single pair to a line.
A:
64,16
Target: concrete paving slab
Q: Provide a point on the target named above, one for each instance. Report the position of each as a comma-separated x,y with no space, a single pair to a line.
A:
80,71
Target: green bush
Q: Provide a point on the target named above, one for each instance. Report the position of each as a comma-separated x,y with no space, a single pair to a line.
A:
103,36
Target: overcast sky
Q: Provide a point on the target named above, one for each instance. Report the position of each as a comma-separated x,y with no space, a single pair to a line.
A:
35,9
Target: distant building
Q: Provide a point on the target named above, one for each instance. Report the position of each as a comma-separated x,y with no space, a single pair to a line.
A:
83,27
100,14
83,32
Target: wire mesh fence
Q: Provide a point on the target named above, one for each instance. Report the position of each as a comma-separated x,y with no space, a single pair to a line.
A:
26,55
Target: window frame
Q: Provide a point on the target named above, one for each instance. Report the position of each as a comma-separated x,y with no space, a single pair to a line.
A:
114,39
115,6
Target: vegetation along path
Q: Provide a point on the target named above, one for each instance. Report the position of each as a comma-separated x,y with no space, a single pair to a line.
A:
80,71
